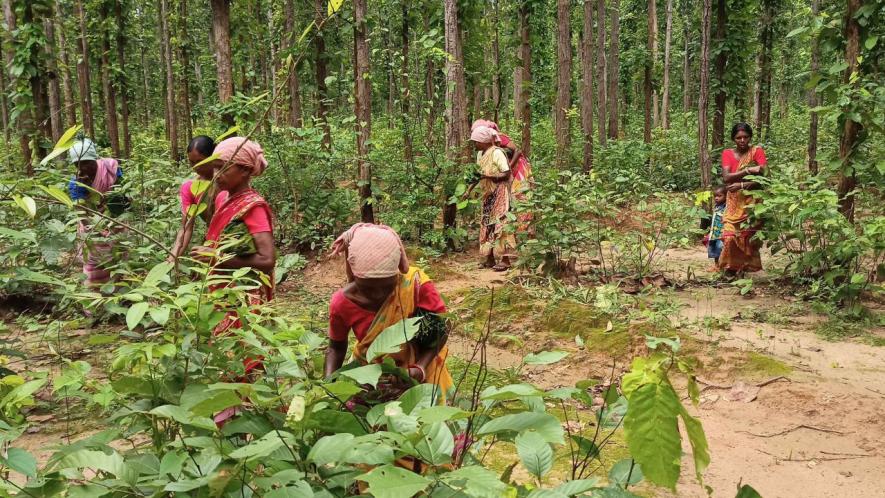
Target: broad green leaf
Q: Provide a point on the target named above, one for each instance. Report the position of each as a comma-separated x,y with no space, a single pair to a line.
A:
546,493
20,461
419,397
797,31
368,374
512,391
625,472
214,402
441,413
535,453
230,131
653,342
475,481
544,357
58,195
160,314
306,31
330,449
21,395
172,463
698,440
653,432
40,278
544,424
64,143
260,448
182,416
15,234
388,481
135,314
159,273
436,444
187,485
298,489
26,203
576,487
97,460
333,6
392,338
747,491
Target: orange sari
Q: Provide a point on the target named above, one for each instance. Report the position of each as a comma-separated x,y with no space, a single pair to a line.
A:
740,252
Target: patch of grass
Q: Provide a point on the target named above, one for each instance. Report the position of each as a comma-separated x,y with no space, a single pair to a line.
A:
837,328
512,305
759,365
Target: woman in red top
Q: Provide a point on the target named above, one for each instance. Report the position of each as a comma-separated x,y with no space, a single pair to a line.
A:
383,290
740,252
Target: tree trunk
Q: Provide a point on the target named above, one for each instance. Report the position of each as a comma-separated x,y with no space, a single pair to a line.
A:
321,72
221,42
523,106
24,121
587,49
812,96
146,107
110,94
496,63
686,62
362,108
295,115
721,61
184,62
83,74
4,109
851,129
602,82
703,96
563,82
171,111
456,104
665,100
53,89
122,84
649,68
405,104
762,111
614,72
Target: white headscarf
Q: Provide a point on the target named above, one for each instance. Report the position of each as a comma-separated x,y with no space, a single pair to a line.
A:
82,150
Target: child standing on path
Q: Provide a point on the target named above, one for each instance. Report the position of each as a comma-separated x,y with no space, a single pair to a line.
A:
714,237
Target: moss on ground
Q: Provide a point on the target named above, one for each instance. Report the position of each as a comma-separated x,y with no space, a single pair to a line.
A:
760,365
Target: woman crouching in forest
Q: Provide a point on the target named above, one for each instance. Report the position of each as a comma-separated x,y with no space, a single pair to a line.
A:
382,290
241,230
494,182
740,251
92,187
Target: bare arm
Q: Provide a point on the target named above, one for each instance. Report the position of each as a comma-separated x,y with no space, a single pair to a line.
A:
264,258
516,156
335,354
182,238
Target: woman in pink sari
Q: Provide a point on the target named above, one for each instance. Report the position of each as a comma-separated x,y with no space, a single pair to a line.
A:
90,187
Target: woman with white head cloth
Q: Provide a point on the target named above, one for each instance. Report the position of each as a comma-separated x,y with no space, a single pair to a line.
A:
494,181
92,184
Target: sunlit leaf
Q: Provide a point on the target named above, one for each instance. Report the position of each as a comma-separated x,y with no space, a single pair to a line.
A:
58,195
388,481
230,131
535,453
135,314
334,6
27,204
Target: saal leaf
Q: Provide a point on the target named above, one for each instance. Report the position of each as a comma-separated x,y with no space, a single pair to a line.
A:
653,432
698,439
330,449
160,314
58,195
625,472
747,491
26,203
20,461
544,357
475,481
260,448
576,487
135,314
159,273
436,444
388,481
544,424
368,374
535,453
391,338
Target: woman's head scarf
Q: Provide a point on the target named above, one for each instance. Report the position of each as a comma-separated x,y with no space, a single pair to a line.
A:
484,122
373,251
250,154
82,150
484,135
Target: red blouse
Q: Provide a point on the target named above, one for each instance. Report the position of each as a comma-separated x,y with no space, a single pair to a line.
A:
730,161
345,315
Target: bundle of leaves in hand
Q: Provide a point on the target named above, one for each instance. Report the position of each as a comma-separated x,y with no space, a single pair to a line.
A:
242,243
432,329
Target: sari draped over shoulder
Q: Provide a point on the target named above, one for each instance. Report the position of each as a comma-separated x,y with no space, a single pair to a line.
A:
740,250
233,209
401,304
495,206
96,255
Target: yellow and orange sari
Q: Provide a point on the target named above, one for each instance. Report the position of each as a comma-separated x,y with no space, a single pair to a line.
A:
740,250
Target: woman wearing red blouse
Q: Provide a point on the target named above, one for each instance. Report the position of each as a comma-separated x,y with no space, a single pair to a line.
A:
740,252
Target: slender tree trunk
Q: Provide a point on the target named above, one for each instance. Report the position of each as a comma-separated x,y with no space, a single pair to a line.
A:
614,72
122,83
70,106
83,74
812,97
686,62
53,89
587,49
721,61
430,100
25,120
221,42
184,62
295,115
362,108
523,106
602,81
456,103
110,94
851,129
563,82
4,109
170,79
649,68
496,63
322,72
668,34
146,86
703,97
405,95
762,112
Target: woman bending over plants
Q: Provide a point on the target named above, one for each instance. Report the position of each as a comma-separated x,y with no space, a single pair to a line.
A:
383,290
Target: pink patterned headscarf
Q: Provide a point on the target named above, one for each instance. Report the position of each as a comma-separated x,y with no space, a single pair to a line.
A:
484,135
373,251
250,154
484,122
105,175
